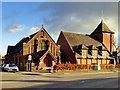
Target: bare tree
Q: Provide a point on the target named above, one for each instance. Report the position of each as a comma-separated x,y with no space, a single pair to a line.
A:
117,50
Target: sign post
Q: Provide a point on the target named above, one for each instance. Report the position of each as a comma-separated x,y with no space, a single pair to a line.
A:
30,59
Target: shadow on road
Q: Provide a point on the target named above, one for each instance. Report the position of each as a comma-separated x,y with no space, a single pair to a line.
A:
86,83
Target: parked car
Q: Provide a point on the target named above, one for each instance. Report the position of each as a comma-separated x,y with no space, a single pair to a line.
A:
3,66
11,68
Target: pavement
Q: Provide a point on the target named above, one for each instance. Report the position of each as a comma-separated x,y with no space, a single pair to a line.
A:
33,73
72,79
68,72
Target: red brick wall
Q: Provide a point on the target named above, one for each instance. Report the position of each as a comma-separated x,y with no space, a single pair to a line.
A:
54,47
108,41
66,50
23,55
112,43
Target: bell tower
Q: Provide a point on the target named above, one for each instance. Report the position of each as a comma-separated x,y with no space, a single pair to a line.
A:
104,35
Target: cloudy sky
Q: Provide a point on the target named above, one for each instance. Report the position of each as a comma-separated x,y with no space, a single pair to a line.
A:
20,19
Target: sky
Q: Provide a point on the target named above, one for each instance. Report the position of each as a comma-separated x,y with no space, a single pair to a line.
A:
21,19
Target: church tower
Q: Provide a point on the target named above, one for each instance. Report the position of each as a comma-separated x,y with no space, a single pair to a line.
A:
104,35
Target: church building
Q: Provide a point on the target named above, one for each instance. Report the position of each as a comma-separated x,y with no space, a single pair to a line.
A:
88,49
40,46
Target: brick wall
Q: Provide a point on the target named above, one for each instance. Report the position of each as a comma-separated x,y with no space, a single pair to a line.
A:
66,49
108,41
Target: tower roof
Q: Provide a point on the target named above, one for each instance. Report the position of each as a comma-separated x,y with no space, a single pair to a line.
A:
102,27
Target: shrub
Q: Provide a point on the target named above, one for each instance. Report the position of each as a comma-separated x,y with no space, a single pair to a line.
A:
107,66
72,66
117,66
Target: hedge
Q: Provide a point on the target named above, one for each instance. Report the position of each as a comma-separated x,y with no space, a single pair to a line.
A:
117,66
72,66
107,66
83,66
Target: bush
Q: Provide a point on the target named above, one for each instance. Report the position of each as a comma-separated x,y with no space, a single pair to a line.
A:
107,66
71,66
117,66
84,66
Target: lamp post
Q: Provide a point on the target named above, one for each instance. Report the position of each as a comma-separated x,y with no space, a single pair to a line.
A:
30,59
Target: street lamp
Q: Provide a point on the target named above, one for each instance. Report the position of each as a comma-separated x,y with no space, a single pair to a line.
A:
30,59
30,56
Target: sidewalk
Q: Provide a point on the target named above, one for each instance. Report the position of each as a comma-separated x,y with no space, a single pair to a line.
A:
65,72
33,73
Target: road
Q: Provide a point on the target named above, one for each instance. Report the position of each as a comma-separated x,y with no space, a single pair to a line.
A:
60,80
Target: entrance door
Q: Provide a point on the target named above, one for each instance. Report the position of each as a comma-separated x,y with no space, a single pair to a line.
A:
48,62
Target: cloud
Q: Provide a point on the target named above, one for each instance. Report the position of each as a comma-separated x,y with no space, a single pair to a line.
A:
79,17
33,30
14,27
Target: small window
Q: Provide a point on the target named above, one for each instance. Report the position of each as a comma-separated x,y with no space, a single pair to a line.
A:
84,53
94,53
100,52
35,45
104,53
80,51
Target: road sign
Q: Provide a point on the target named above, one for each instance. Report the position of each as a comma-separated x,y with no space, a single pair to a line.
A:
30,57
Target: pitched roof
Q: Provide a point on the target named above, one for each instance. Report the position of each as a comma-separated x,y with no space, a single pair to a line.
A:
82,46
18,46
92,47
101,48
102,27
39,54
42,29
32,35
79,47
10,49
77,39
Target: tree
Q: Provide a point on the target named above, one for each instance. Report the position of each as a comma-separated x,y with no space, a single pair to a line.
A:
117,51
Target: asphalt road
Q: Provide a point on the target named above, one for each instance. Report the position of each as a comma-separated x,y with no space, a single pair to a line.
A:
60,80
87,83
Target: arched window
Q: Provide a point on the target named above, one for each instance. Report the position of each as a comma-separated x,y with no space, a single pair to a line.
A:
35,45
43,45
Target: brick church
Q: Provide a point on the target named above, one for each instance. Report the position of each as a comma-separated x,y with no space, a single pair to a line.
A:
44,51
70,48
87,49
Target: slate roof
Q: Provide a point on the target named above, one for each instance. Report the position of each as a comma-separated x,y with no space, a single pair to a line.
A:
92,47
101,48
10,49
42,29
102,27
79,47
32,35
18,46
39,54
82,46
86,41
78,39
